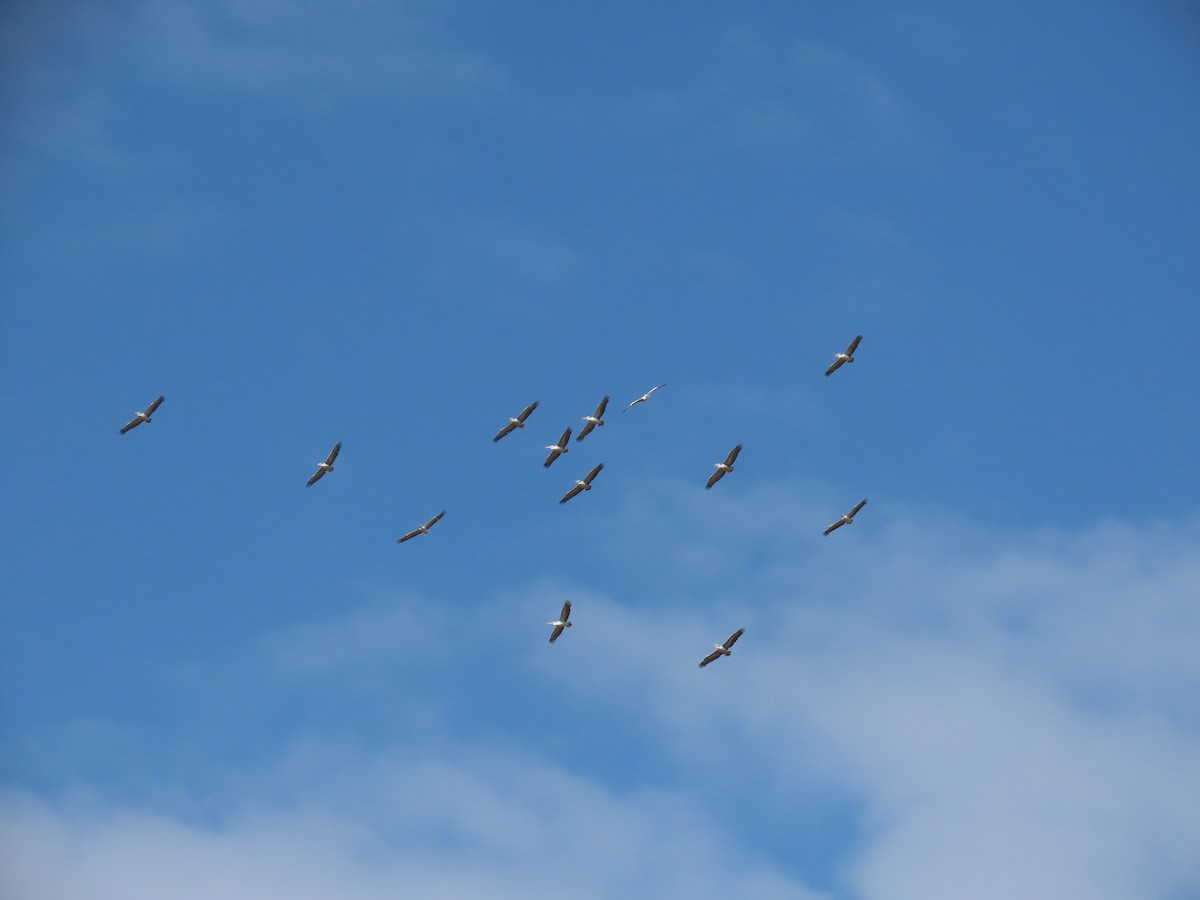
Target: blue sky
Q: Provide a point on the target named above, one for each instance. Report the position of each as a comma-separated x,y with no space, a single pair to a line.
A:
396,224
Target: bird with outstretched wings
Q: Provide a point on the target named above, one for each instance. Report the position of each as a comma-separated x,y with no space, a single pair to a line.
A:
584,485
563,621
142,415
724,468
327,466
595,420
557,450
423,529
518,422
847,519
841,358
644,397
724,649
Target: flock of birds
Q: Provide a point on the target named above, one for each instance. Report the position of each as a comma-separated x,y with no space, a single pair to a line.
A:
557,449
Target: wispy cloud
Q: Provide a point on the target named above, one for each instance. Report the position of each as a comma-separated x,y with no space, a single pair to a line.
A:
271,45
766,92
479,245
70,77
849,81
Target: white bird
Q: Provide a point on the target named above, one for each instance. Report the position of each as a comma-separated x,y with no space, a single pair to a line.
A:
327,466
593,421
847,519
424,529
561,622
518,422
724,649
644,397
139,417
580,486
725,467
557,450
840,358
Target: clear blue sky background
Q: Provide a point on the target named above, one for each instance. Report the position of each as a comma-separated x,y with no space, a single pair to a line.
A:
396,224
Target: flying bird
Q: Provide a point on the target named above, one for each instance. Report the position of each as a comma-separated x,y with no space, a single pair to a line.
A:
424,529
846,357
518,422
725,467
594,420
847,519
562,622
327,466
557,450
644,397
724,649
580,486
139,417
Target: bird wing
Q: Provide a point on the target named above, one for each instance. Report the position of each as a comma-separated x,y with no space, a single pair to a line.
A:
132,423
714,655
834,527
585,431
155,405
409,536
565,439
435,519
733,455
837,364
587,479
558,629
857,507
634,403
566,611
715,477
333,454
554,454
571,493
599,414
732,639
317,476
527,410
853,345
510,427
655,388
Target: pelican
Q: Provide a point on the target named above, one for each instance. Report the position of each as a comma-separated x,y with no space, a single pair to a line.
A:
139,417
593,421
580,486
723,468
644,397
327,466
557,450
847,519
424,529
518,422
562,622
724,649
846,357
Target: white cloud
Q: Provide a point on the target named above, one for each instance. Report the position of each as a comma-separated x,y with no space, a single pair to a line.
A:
1006,714
482,822
1017,713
